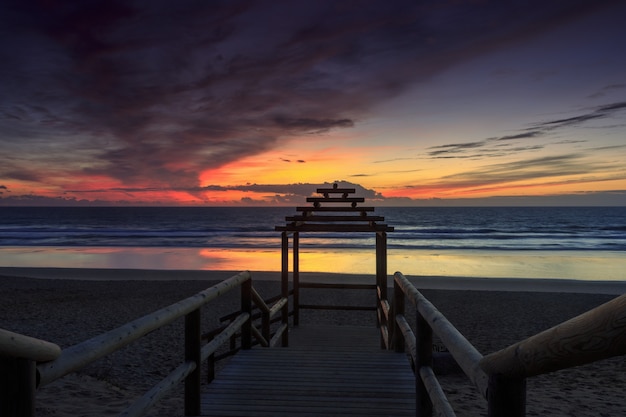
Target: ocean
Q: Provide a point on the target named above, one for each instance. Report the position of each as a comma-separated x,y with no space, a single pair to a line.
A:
244,238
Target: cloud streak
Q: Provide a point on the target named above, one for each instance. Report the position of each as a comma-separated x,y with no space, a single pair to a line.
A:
485,148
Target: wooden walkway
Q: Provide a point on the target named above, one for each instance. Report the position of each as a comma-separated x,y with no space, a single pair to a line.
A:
326,371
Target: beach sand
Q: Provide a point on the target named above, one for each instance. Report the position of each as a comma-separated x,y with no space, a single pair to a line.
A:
67,306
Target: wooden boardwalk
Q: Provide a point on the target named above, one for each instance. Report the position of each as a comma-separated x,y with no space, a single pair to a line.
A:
326,371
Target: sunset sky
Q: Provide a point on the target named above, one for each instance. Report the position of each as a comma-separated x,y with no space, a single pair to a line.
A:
261,102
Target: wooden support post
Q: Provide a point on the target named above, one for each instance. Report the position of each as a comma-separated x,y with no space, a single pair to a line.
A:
246,307
193,353
17,387
296,292
398,309
506,397
296,279
210,374
424,357
284,278
265,325
381,280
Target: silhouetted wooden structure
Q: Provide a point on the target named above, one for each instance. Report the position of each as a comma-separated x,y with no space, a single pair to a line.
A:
336,211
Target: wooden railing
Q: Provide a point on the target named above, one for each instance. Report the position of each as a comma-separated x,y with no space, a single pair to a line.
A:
28,363
501,376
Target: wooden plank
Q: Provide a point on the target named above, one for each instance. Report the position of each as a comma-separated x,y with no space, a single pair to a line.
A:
337,209
336,190
338,286
335,200
335,228
327,370
314,218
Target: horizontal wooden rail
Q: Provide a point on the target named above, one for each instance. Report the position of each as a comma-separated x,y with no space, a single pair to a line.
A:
15,345
336,307
314,218
150,398
335,199
337,209
139,407
231,316
409,338
222,338
336,190
338,286
278,335
435,392
356,228
597,334
78,356
465,354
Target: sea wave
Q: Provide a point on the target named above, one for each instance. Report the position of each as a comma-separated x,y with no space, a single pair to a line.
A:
503,228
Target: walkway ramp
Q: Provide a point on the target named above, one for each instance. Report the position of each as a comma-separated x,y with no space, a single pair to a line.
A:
326,371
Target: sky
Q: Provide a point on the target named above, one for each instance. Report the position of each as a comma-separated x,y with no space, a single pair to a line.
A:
245,102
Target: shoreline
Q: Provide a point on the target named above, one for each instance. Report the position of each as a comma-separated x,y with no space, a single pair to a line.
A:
421,282
541,264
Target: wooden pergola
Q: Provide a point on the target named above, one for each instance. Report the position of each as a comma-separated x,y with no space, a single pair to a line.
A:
334,211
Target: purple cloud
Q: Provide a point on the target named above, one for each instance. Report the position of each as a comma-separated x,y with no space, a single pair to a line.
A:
154,92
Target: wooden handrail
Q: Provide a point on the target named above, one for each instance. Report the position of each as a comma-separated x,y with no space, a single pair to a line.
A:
15,345
597,334
182,371
77,356
466,355
18,353
501,376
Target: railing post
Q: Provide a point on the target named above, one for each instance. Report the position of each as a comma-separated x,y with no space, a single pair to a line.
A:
424,357
210,364
296,290
246,307
284,261
381,282
265,326
17,387
506,397
193,340
398,309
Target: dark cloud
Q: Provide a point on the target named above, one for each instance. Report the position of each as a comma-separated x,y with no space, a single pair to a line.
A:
455,148
299,161
303,189
599,112
525,135
311,125
287,192
158,91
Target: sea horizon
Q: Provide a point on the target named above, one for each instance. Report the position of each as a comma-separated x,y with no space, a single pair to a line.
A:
584,243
